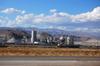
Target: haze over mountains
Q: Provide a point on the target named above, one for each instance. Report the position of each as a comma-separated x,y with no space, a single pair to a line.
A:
57,32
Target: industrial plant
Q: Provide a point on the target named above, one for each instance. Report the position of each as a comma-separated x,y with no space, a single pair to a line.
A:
15,38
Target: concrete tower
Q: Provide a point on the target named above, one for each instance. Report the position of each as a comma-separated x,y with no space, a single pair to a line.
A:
70,40
33,36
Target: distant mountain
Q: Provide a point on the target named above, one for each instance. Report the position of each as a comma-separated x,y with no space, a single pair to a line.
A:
95,35
16,31
55,32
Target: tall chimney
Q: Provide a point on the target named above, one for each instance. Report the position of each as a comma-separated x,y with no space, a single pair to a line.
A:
33,36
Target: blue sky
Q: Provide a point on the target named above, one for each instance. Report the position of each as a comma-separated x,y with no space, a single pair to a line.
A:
38,6
59,14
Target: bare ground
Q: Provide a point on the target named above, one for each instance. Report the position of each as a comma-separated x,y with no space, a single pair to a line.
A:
21,51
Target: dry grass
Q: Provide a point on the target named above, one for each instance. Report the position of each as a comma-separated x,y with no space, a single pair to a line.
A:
48,52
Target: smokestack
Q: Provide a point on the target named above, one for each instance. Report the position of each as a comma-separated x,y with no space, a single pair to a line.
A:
33,36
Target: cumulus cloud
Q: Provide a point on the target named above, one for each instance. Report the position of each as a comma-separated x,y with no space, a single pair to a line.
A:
5,22
39,18
87,17
12,11
53,10
55,19
60,17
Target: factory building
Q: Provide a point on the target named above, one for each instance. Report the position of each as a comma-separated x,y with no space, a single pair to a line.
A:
44,37
69,40
11,36
66,41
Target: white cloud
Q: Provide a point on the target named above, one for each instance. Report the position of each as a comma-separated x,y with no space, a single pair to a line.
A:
12,11
55,17
41,18
52,20
60,17
87,17
53,10
5,22
24,18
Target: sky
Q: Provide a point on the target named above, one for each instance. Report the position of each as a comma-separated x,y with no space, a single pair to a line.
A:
69,15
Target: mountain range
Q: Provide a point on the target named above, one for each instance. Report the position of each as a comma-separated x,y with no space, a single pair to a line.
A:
56,32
